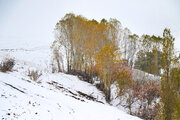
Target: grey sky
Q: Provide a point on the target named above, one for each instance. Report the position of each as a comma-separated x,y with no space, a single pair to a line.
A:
23,21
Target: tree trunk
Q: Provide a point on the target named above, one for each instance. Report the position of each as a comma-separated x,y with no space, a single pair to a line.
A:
58,64
108,95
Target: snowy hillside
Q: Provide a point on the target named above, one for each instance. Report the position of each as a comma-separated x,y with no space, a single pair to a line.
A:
53,96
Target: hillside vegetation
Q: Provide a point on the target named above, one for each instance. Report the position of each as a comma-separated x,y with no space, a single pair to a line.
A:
108,53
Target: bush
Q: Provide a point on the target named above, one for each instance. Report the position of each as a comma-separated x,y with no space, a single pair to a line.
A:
7,65
34,74
146,96
123,78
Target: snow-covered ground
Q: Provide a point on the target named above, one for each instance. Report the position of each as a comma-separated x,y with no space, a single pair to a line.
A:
53,96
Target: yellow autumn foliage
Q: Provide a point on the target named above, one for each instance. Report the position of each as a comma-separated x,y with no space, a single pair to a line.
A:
106,60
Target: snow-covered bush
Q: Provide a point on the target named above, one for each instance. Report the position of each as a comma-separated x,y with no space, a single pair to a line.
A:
141,99
7,65
147,95
34,74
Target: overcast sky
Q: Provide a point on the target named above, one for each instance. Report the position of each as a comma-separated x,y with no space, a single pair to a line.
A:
24,21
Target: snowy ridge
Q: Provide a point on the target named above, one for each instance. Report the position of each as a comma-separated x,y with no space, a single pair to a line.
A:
53,97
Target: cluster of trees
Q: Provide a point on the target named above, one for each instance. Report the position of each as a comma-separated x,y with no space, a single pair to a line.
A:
82,39
109,52
149,55
90,48
158,54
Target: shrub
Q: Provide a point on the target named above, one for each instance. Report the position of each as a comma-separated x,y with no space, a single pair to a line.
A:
147,96
34,74
123,78
7,65
140,98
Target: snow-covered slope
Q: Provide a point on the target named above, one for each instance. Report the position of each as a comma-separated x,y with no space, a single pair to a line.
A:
53,97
